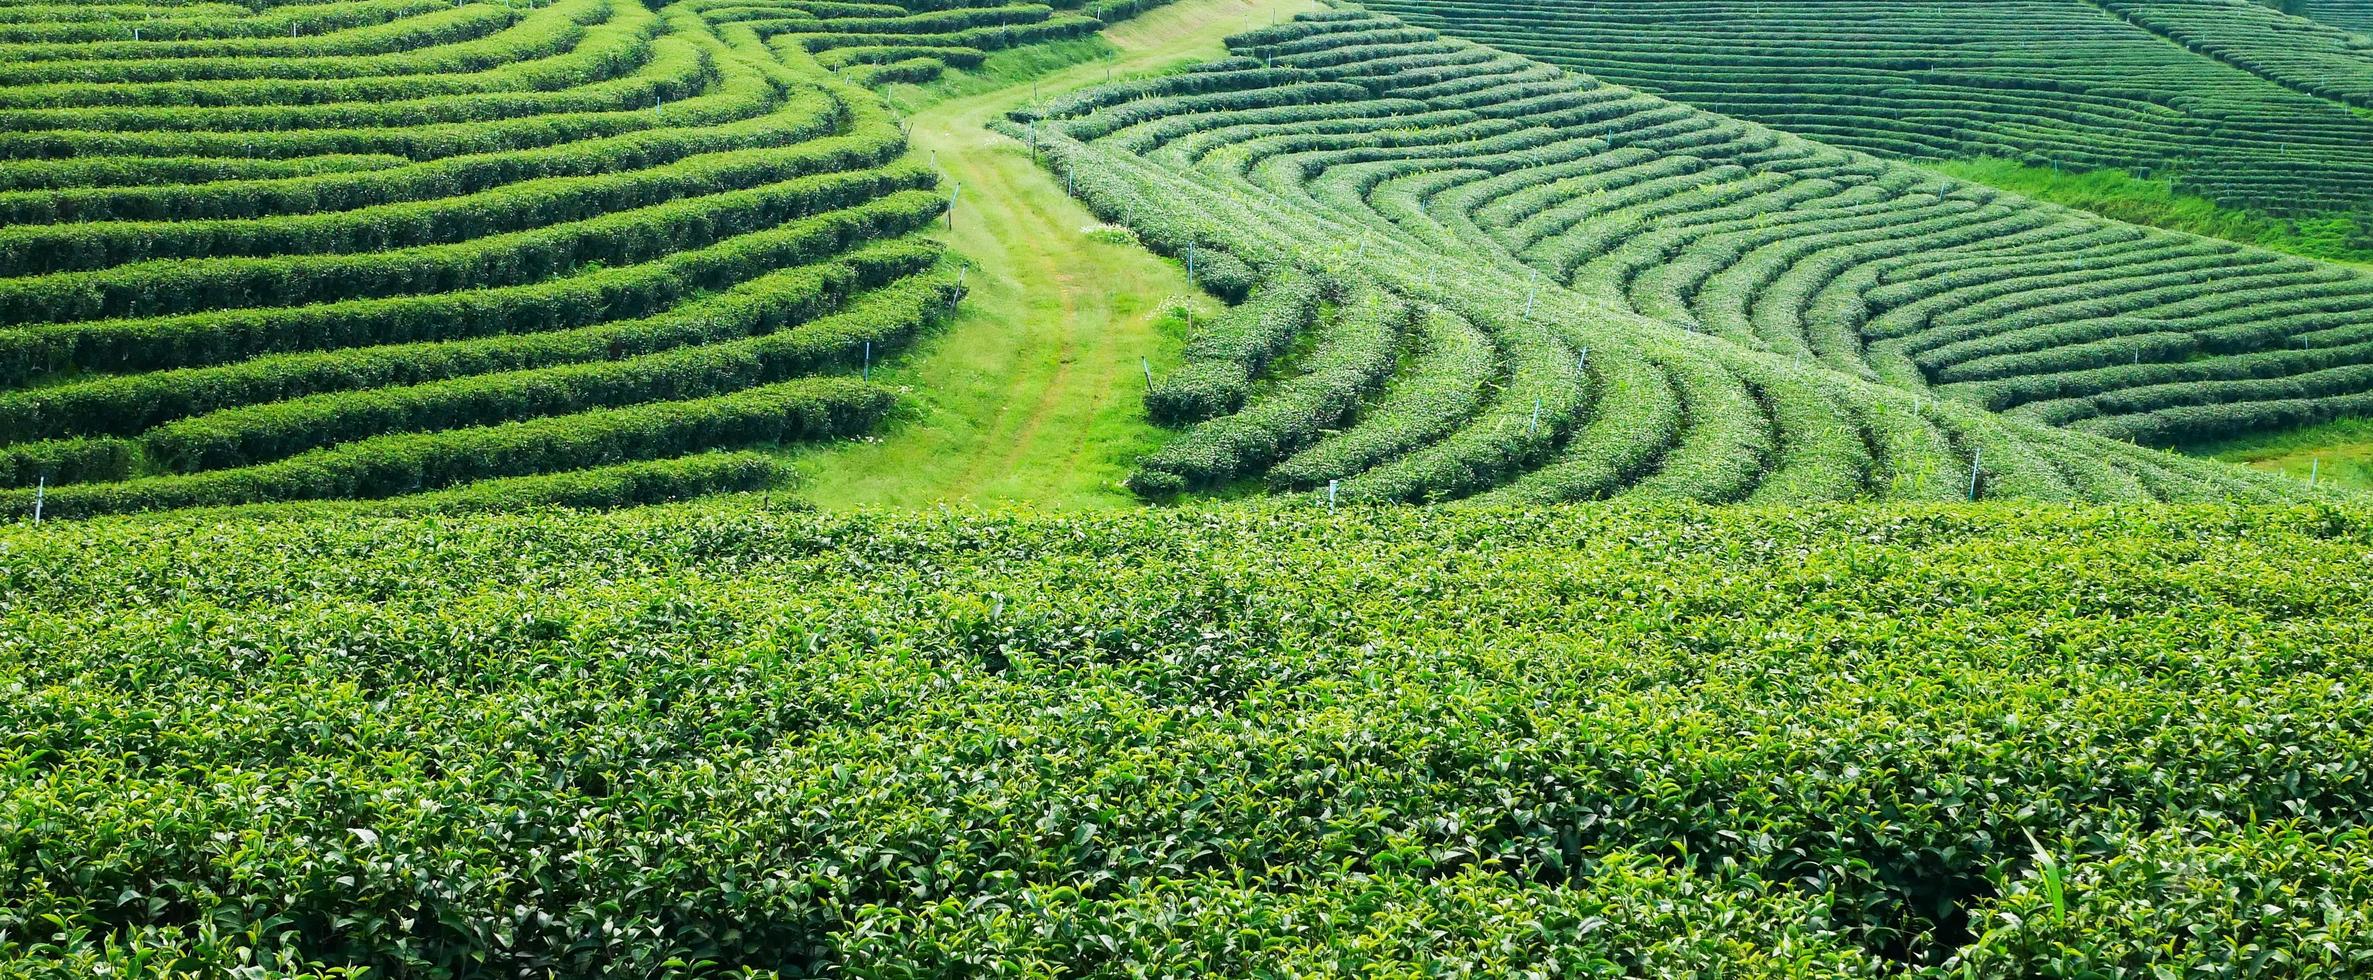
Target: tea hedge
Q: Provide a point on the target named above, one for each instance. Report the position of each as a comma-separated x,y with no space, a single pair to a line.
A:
1881,740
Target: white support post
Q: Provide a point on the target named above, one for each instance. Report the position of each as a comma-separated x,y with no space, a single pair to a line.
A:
1975,456
40,494
1331,484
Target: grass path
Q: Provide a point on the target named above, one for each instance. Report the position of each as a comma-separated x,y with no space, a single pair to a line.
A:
1030,397
2339,452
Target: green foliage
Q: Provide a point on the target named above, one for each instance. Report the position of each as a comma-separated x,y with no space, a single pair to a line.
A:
1598,741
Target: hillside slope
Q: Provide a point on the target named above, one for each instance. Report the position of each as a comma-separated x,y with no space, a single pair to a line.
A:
2261,115
376,247
460,254
1517,276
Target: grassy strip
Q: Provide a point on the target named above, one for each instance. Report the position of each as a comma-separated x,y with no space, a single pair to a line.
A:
2335,453
1031,396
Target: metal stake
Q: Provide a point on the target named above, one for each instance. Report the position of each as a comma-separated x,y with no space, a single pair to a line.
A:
40,492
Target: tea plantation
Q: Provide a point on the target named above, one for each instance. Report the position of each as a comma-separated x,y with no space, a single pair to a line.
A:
1598,508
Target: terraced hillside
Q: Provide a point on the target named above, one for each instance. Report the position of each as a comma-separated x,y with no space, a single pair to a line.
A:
2253,115
1478,271
369,248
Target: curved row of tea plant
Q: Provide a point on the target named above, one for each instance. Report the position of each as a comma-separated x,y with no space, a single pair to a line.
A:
1624,294
2065,83
374,247
911,40
1594,742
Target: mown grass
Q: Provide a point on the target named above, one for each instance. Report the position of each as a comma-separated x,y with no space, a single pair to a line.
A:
1031,397
2338,453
